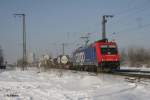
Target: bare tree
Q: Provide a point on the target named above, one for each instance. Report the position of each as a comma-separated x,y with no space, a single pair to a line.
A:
138,56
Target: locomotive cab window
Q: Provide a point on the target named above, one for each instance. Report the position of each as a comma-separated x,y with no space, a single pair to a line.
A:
108,49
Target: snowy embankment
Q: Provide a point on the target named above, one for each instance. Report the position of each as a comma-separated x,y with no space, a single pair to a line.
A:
68,85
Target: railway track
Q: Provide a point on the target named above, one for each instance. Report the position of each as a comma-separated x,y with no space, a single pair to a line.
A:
132,73
123,72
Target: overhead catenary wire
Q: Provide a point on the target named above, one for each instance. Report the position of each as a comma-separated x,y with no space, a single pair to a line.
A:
119,21
139,9
134,28
131,11
139,6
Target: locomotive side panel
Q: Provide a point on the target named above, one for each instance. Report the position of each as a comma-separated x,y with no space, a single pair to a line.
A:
90,56
85,56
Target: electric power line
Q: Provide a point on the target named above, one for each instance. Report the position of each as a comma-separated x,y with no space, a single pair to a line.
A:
134,29
135,9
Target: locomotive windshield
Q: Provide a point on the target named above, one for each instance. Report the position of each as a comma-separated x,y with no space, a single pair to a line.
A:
108,49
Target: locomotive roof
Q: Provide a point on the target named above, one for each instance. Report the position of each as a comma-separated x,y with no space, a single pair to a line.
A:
92,44
105,41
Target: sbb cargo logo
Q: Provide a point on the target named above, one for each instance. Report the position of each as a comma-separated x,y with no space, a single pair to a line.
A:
80,58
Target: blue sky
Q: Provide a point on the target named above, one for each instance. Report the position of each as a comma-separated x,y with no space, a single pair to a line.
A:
49,23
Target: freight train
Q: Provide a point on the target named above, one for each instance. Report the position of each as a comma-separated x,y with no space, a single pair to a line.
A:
101,55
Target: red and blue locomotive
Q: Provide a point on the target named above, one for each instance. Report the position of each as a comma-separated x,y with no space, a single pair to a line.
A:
101,56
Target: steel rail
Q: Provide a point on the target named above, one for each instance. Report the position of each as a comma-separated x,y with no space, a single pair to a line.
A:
137,74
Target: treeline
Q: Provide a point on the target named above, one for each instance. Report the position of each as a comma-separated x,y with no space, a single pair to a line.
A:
135,57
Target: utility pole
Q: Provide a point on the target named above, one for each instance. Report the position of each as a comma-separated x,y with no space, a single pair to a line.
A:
104,21
24,63
63,48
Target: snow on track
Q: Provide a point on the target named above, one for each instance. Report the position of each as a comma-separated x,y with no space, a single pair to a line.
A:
67,85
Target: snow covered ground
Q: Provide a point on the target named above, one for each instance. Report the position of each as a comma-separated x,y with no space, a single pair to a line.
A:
58,84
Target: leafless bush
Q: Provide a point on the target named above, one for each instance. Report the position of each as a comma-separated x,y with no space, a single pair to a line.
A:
136,56
123,57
